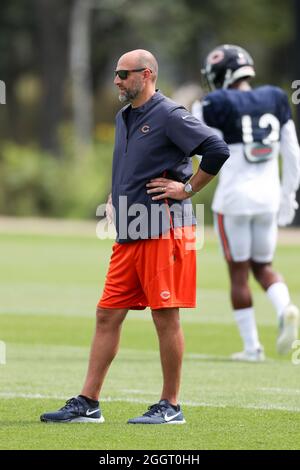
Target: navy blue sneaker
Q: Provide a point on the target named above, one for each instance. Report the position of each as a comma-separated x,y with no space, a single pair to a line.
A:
76,410
160,413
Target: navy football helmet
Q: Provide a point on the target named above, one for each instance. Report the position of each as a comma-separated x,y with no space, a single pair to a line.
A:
226,64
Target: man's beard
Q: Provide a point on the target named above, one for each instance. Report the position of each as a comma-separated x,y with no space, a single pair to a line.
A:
129,95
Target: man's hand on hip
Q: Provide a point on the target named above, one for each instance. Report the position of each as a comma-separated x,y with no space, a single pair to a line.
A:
166,189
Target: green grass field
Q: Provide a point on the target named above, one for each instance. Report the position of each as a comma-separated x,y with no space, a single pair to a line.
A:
49,285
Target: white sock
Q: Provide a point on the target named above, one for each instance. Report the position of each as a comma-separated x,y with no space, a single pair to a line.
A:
279,295
245,319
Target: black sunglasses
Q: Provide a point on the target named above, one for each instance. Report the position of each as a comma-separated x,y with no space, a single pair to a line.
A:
123,74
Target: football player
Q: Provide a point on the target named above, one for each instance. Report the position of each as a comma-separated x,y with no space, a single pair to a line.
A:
250,199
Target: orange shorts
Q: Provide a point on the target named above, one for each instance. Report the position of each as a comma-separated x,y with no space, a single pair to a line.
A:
157,273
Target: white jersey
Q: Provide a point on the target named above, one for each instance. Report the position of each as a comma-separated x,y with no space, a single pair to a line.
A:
258,191
257,126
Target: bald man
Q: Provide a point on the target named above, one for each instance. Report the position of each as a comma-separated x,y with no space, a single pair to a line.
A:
153,263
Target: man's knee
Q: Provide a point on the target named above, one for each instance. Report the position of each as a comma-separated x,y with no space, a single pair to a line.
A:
166,319
109,318
239,273
264,274
260,270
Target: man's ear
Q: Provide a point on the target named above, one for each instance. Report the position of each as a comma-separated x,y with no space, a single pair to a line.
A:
147,73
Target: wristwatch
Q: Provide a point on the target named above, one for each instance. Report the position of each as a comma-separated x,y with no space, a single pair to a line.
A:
188,188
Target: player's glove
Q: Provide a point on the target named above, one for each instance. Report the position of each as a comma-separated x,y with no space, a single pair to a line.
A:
287,209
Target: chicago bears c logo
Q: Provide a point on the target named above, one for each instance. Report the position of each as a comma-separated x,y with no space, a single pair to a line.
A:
165,294
145,129
215,57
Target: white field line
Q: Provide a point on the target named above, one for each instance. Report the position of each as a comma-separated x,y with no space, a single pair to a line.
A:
194,316
47,226
208,357
154,354
194,404
286,391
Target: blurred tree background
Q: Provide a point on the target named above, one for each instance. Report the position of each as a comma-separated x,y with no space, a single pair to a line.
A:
57,61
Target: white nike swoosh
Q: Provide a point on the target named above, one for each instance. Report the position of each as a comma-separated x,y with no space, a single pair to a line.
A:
169,418
185,117
88,412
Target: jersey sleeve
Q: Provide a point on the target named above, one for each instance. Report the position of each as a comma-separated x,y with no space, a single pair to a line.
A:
215,109
186,131
284,110
197,111
290,151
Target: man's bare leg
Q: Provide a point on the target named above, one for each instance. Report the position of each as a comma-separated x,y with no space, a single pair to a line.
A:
103,350
171,345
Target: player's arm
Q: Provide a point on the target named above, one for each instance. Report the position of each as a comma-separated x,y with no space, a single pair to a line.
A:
198,111
214,153
205,109
290,151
